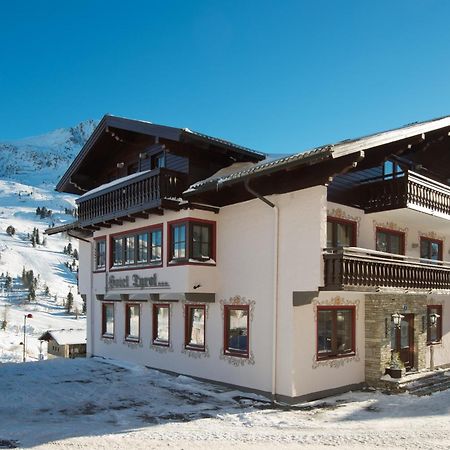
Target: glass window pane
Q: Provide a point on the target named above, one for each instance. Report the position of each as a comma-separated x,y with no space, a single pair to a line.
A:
101,254
324,331
130,250
196,331
201,248
142,248
179,241
156,246
435,251
424,249
237,339
396,244
118,247
162,324
108,311
330,241
344,234
344,331
404,334
382,242
133,321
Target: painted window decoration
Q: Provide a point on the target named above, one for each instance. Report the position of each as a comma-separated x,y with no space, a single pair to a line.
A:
236,330
335,331
100,254
341,233
434,324
144,248
108,320
161,325
195,327
132,325
192,241
430,249
390,241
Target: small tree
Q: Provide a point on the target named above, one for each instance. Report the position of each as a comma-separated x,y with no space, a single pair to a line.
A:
31,294
69,248
69,302
75,254
84,304
11,231
47,291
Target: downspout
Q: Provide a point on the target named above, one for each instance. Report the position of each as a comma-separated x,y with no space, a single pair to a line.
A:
275,285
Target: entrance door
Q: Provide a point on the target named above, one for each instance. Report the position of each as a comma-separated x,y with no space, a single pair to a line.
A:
402,340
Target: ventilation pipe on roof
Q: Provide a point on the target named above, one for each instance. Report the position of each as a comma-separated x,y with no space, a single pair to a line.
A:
275,284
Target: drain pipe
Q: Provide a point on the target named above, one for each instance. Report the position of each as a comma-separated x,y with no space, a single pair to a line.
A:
275,284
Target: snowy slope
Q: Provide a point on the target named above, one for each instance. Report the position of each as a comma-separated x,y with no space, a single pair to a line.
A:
29,170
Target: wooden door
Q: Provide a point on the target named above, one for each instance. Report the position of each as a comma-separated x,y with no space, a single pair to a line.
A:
402,340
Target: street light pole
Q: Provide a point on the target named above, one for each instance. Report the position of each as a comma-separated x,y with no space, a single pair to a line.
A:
25,317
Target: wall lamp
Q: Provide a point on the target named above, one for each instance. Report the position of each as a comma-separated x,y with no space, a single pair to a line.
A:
397,319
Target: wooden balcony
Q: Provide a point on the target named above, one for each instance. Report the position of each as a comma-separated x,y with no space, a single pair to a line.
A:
141,193
410,190
352,268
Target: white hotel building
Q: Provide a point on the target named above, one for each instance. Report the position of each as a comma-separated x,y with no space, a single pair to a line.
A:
297,277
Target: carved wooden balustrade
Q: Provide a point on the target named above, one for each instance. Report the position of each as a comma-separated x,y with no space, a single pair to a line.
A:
352,268
410,189
132,195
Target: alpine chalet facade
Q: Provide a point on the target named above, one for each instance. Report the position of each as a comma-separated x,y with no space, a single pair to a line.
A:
297,277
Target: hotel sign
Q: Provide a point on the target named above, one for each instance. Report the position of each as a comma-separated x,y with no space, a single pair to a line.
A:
135,282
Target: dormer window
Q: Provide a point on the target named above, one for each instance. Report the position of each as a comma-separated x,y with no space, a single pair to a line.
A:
158,161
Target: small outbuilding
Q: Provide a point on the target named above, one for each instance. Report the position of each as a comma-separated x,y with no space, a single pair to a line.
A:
65,343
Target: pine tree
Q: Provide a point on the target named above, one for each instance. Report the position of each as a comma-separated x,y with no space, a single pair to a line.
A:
11,231
38,239
69,302
84,304
38,211
47,291
69,248
31,293
75,253
33,240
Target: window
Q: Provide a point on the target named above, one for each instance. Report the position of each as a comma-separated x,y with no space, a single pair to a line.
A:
431,249
100,254
192,240
335,331
179,250
108,320
434,331
391,169
156,246
138,249
158,161
142,248
236,330
390,241
195,327
161,324
340,233
132,327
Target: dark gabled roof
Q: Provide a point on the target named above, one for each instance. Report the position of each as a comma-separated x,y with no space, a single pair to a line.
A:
148,128
319,154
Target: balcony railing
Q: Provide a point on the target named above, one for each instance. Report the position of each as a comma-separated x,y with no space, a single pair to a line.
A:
409,189
352,268
130,196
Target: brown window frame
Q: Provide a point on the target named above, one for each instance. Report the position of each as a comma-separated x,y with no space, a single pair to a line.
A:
352,223
155,339
226,349
392,233
335,354
127,323
439,324
104,333
189,259
430,241
134,234
188,331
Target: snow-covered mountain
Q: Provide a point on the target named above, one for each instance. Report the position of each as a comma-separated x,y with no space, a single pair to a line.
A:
29,171
43,159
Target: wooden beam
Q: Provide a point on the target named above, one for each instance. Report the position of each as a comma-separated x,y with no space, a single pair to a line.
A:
90,227
192,205
104,225
140,215
114,222
170,204
128,219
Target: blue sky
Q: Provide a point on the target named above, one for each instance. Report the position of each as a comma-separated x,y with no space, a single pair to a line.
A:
277,76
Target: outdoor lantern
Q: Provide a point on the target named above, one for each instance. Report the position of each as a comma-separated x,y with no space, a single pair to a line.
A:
397,319
433,318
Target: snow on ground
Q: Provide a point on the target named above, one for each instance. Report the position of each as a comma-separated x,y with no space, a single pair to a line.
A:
99,404
18,203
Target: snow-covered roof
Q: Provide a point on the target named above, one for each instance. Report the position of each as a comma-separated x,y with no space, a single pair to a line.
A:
68,336
335,150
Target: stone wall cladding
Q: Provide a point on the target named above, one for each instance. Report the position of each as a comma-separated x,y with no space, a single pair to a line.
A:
378,308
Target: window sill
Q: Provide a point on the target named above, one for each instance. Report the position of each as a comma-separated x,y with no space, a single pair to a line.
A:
327,357
191,262
135,267
132,340
193,348
434,342
161,343
99,270
235,354
107,336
